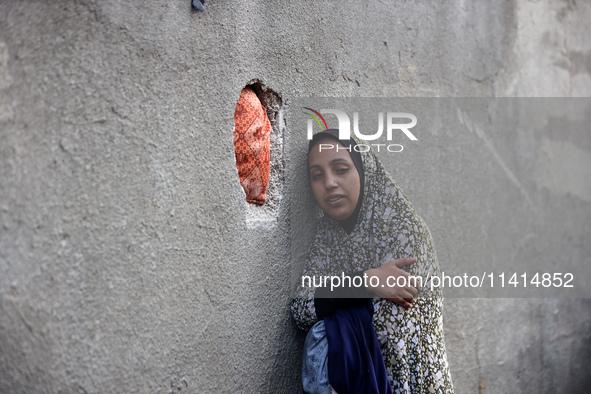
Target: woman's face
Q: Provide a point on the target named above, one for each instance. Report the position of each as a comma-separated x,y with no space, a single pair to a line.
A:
334,179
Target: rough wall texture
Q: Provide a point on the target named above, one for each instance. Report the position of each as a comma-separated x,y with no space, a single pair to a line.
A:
126,261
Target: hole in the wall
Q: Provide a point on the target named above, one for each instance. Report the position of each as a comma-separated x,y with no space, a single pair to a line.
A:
273,105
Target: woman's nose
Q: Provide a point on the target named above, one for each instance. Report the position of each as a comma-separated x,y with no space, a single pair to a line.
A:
331,181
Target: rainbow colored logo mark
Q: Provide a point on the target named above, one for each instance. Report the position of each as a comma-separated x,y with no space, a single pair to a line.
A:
316,117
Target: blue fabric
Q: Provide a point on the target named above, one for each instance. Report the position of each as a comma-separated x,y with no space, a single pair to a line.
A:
355,363
314,365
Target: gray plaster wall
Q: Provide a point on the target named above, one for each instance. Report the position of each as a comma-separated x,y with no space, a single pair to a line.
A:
127,260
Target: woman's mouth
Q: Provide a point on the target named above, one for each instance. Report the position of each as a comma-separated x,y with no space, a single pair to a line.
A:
334,199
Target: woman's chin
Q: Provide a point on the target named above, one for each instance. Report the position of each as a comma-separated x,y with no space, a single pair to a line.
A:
337,215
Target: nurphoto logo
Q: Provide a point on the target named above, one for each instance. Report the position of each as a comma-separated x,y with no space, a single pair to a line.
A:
392,125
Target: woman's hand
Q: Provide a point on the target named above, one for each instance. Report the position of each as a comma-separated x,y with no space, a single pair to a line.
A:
389,277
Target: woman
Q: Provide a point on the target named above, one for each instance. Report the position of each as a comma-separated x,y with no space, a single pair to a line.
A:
370,228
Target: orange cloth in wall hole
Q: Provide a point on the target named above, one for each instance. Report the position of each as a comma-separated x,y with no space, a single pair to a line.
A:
252,138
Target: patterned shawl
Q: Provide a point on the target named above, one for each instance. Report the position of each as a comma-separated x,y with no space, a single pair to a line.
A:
388,227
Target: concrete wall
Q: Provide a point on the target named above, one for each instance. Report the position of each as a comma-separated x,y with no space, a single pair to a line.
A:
126,259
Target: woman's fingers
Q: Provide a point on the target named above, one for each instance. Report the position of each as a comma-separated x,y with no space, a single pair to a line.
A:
404,281
405,261
401,292
403,302
417,284
393,281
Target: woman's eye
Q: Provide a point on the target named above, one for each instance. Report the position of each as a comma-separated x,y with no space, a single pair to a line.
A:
341,170
316,176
